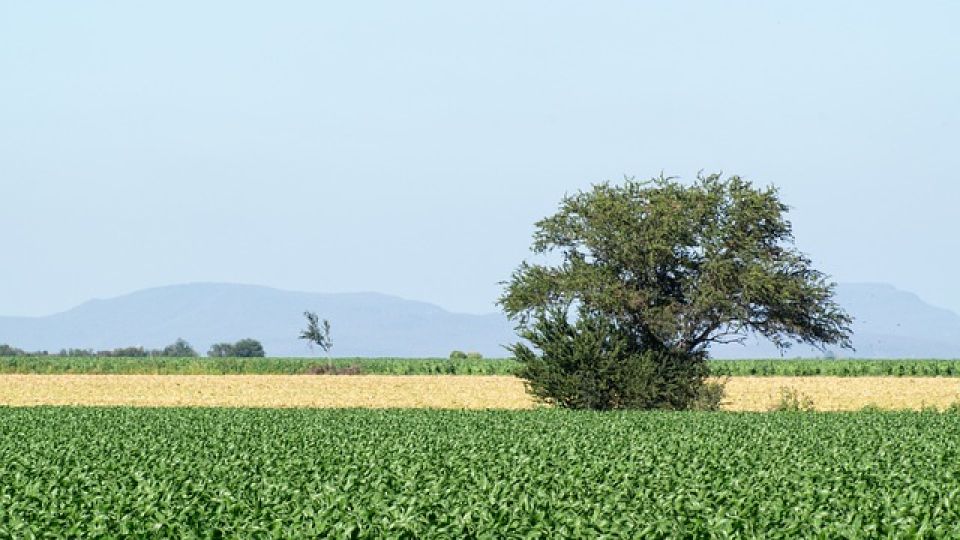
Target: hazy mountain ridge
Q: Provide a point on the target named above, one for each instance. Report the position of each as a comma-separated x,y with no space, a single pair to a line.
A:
889,323
364,324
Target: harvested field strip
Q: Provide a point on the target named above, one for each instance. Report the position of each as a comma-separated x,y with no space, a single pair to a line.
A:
369,391
844,393
436,391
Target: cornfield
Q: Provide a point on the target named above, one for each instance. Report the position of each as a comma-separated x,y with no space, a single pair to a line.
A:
268,473
441,366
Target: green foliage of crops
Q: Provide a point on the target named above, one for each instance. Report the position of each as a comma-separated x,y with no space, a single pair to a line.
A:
428,366
838,368
212,473
232,366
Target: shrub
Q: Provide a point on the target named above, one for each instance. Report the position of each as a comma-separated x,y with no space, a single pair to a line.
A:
474,356
458,355
595,364
326,369
793,400
710,397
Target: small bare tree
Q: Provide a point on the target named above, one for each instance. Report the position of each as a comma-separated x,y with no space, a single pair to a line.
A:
317,333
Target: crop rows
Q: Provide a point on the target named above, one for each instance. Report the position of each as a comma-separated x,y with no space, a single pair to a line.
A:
254,366
440,366
213,473
837,368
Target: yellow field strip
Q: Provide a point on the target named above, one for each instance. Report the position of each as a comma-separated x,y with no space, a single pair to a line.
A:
434,391
428,391
844,393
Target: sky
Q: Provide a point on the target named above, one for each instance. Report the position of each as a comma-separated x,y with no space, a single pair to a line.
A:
408,147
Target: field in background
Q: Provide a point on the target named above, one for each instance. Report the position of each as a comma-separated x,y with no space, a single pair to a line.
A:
198,473
438,391
440,366
255,366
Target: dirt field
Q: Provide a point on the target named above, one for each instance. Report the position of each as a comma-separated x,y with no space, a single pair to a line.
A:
437,391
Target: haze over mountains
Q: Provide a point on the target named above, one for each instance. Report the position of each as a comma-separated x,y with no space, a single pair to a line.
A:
890,323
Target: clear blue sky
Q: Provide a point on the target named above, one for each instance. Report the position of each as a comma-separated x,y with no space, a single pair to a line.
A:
407,147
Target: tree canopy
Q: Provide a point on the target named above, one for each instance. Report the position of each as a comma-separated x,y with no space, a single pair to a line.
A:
317,332
179,349
245,348
680,266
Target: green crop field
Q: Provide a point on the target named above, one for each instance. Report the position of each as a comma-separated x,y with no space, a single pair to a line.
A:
253,366
837,368
438,366
215,473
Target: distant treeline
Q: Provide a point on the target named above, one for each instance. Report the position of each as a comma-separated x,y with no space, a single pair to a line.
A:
245,348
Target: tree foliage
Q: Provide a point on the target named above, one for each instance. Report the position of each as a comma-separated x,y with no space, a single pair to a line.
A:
245,348
248,348
9,350
594,363
670,269
179,349
220,350
317,332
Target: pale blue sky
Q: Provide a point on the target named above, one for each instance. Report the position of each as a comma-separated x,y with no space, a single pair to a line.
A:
407,147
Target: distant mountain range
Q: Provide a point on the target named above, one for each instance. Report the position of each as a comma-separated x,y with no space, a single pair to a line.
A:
363,324
889,324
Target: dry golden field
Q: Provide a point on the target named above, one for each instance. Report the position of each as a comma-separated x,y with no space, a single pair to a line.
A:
434,391
428,391
844,393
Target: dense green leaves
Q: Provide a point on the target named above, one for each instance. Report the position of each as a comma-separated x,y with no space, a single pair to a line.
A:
683,266
211,473
837,368
245,348
665,270
593,363
179,349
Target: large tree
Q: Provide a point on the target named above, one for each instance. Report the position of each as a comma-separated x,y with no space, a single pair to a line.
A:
675,268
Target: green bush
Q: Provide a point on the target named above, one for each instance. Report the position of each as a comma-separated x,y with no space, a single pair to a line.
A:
594,364
792,400
474,356
710,397
458,355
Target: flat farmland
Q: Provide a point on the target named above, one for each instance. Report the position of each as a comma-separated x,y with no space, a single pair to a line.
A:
50,365
115,472
436,391
322,391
